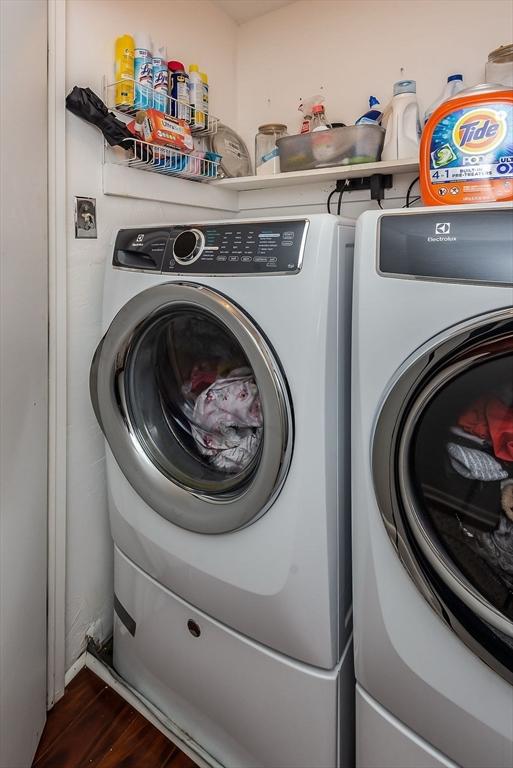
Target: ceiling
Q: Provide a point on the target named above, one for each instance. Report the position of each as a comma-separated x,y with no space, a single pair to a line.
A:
244,10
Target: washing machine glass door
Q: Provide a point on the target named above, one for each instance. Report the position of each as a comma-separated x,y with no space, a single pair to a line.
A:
448,422
194,407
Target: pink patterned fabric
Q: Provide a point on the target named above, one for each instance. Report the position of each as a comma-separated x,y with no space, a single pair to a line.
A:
227,421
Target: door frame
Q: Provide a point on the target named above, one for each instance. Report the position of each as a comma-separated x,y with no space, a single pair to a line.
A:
57,340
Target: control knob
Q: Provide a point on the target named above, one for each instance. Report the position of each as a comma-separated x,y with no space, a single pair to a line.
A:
188,246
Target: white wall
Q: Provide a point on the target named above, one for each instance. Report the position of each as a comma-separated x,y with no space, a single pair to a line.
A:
196,32
354,48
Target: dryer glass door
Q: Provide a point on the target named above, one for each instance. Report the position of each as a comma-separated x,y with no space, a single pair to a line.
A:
194,407
452,459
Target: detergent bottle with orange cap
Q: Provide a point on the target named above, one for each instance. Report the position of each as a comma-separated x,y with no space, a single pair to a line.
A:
466,150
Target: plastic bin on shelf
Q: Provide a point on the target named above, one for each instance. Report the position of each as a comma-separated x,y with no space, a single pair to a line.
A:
350,145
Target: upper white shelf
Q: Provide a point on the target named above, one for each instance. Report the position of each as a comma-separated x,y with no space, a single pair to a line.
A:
317,175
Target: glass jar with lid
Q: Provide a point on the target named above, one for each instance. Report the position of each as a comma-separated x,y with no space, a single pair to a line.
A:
267,161
499,67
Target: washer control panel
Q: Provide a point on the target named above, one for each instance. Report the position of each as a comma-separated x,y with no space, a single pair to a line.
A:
275,247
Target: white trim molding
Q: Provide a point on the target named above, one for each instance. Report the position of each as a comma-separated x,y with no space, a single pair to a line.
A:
164,724
75,668
57,341
151,713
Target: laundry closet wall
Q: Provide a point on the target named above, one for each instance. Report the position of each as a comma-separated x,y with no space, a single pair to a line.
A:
347,50
350,49
193,32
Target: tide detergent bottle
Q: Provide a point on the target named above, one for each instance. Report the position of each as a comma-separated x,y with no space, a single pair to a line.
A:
466,151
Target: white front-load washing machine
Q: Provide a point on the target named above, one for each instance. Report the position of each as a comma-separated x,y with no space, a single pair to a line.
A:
432,487
222,385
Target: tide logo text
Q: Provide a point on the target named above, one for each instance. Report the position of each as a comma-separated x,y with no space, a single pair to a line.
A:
479,131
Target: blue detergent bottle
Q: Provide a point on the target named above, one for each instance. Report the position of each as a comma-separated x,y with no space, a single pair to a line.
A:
372,116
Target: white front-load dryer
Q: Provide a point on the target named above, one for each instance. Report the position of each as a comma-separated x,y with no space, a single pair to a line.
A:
221,385
432,485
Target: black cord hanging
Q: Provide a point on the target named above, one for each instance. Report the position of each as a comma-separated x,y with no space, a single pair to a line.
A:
333,192
339,204
409,193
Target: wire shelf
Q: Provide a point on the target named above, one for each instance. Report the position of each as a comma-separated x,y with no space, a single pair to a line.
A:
147,98
170,162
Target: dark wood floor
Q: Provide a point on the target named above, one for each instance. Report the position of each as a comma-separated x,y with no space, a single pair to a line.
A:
93,726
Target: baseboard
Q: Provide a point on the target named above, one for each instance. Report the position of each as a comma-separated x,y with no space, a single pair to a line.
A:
75,668
157,718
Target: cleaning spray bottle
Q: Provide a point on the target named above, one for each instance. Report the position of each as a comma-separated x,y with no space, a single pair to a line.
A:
160,77
196,96
143,72
124,71
204,91
179,90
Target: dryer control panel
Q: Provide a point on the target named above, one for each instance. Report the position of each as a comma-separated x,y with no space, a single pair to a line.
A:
459,246
274,247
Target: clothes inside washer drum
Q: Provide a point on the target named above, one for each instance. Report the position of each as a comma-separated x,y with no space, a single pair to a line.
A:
227,423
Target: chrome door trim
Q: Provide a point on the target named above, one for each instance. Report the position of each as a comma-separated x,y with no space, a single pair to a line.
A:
190,509
414,385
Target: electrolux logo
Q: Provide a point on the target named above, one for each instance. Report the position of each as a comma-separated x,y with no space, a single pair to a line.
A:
442,232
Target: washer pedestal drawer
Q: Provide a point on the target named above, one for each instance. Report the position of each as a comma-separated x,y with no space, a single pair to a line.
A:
244,704
382,740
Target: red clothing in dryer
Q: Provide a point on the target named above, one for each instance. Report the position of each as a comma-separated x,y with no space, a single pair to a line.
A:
474,420
491,420
500,421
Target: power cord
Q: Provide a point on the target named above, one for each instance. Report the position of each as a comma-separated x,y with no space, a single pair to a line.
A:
340,188
328,203
339,204
408,201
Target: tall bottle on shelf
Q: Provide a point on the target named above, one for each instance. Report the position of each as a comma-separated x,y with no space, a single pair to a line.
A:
403,123
196,96
373,115
319,121
160,75
179,90
124,71
143,72
204,91
453,86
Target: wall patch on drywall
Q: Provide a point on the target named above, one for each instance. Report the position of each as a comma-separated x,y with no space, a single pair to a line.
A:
85,217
